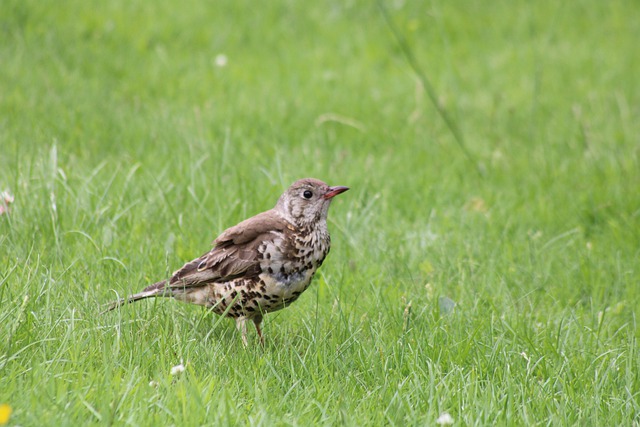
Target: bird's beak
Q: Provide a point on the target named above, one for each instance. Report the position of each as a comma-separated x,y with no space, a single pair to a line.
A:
334,191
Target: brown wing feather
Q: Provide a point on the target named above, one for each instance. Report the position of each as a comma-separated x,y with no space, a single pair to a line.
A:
234,255
249,229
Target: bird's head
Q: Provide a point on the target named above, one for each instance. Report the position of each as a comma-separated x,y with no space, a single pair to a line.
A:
307,201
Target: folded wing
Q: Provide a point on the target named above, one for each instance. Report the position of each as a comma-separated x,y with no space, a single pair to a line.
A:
235,253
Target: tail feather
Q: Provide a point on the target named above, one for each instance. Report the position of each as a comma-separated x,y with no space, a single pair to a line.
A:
155,290
158,286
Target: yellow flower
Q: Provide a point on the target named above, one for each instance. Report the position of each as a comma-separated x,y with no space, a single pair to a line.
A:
5,413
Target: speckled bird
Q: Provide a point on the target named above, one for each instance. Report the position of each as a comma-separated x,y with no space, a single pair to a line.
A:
262,264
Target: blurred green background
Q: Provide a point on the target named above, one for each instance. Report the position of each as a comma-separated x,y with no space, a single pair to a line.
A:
132,133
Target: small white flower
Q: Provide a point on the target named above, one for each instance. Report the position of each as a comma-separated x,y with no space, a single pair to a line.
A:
7,197
178,369
153,384
221,60
444,419
5,200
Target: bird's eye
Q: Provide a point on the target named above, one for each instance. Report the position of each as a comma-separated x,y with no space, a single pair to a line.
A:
307,194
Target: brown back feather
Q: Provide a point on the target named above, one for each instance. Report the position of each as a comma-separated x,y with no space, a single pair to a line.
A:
234,255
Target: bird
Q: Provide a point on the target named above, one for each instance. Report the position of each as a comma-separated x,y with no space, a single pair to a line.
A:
261,265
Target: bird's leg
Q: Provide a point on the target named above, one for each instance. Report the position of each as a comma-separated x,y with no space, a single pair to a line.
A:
241,324
256,321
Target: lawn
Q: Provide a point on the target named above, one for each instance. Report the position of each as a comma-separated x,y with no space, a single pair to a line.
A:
485,263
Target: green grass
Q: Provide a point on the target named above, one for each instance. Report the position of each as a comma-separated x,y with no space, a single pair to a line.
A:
128,150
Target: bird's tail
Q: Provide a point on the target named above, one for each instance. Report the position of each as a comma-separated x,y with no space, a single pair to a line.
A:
152,291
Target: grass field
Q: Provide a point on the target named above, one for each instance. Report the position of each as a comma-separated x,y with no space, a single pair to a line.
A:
132,133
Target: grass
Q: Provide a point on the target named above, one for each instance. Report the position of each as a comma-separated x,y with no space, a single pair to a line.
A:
128,149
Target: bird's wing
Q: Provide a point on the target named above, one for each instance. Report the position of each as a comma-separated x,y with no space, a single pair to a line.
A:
235,252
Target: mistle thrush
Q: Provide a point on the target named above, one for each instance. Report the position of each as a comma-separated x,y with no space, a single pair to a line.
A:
262,264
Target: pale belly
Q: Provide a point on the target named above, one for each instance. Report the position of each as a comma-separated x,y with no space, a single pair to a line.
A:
250,298
286,285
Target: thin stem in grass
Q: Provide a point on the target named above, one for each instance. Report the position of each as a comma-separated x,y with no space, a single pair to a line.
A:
174,214
419,72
